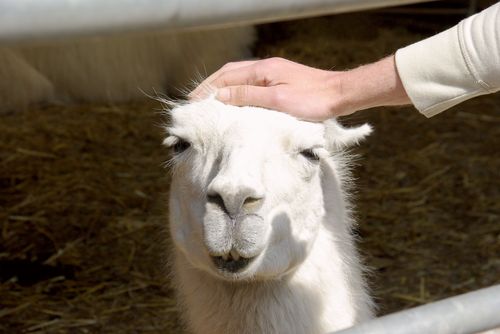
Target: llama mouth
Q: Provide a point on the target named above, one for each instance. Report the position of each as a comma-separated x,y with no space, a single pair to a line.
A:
231,262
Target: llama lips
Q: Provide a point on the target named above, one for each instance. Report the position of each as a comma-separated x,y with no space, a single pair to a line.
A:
231,262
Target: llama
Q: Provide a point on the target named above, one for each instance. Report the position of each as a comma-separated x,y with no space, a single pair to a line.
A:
114,68
260,222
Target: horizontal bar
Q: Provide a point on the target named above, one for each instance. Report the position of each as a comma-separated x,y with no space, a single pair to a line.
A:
42,19
469,313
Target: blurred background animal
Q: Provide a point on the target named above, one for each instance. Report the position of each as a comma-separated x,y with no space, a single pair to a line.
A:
114,68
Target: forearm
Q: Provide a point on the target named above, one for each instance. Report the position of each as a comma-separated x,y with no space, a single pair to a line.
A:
372,85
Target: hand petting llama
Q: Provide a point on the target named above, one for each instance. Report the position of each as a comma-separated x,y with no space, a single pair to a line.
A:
260,222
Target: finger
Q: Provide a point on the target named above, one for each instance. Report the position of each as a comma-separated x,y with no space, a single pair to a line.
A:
246,95
242,76
204,87
228,67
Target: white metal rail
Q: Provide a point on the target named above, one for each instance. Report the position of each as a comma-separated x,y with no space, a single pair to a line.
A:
41,19
469,313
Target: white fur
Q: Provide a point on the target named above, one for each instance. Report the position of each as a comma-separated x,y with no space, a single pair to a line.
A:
305,276
116,68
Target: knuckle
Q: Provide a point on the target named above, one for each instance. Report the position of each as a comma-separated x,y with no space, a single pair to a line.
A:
227,66
272,65
275,60
265,70
269,62
233,65
230,64
240,94
253,75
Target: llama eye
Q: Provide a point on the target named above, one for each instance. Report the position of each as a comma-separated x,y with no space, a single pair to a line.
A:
180,146
310,155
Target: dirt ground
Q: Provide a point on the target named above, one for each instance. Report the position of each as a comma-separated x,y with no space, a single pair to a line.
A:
82,199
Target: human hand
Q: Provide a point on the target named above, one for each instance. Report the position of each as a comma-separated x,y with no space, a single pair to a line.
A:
305,92
278,84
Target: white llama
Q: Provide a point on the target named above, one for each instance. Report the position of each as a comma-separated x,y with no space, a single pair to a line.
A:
260,222
114,68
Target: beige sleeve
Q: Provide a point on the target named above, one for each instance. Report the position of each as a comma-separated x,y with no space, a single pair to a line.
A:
455,65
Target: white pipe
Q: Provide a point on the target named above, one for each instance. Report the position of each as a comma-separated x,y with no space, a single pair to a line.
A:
469,313
41,19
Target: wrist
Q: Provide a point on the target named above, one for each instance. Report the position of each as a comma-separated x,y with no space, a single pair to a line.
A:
373,85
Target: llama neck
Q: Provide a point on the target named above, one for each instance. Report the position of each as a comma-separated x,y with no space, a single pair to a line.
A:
316,298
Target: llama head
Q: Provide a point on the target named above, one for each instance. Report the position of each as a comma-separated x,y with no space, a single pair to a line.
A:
246,198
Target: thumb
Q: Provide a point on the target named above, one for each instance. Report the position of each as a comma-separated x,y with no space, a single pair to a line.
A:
246,95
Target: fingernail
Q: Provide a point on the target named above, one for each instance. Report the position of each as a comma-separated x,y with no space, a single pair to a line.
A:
223,95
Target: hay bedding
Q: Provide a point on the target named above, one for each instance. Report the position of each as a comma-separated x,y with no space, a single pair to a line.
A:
82,196
79,186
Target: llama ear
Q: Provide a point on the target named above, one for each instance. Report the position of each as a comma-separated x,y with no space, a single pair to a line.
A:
338,137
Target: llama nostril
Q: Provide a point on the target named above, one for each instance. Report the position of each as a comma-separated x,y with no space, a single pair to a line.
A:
216,199
252,202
